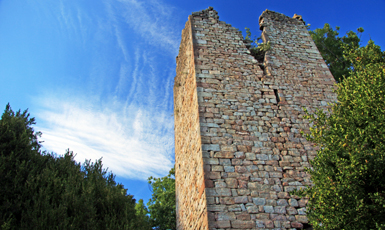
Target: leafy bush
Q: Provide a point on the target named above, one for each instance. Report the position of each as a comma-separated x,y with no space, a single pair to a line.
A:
349,171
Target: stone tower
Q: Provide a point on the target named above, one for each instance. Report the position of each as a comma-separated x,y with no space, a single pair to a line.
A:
238,147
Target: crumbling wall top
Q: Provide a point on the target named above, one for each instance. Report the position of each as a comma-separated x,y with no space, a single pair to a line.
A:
269,16
207,13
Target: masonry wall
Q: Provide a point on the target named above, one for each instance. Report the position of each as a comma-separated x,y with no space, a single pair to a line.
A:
239,151
189,176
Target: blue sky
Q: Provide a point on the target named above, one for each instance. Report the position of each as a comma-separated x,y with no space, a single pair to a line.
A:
98,74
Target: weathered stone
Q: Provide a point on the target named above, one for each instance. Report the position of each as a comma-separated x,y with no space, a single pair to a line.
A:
302,211
252,209
269,224
231,182
268,209
280,209
226,216
291,210
240,169
241,200
222,224
224,155
301,218
216,208
282,202
238,148
231,148
229,168
242,224
243,216
210,147
259,201
302,202
293,202
217,168
260,224
296,225
234,208
223,191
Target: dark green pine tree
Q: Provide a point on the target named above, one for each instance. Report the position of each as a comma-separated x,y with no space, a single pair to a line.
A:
44,191
19,157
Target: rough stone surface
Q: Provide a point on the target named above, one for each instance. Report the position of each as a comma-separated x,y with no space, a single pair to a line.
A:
238,147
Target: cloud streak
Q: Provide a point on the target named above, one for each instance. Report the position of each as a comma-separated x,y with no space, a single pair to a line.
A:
119,107
151,19
134,143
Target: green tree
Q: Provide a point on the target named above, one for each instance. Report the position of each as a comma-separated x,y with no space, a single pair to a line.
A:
19,151
39,190
332,47
349,171
162,206
142,216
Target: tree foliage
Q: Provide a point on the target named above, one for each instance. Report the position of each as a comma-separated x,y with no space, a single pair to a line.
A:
349,171
162,206
332,46
43,191
143,218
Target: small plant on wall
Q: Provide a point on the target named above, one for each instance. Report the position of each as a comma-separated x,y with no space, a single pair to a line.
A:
256,49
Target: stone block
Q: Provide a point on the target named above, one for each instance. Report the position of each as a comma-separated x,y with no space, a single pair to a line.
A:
293,202
243,216
217,168
211,161
234,208
226,216
301,218
242,224
213,147
229,168
223,191
301,211
291,211
241,200
282,202
260,224
268,209
224,155
222,224
240,169
216,208
230,148
280,209
296,225
252,209
250,156
211,192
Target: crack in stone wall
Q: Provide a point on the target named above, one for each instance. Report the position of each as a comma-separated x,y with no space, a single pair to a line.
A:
238,147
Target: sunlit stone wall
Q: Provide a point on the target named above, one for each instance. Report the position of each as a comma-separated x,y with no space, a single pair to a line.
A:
239,151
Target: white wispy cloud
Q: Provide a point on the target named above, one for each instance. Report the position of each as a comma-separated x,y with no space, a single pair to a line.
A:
153,24
151,19
134,142
120,108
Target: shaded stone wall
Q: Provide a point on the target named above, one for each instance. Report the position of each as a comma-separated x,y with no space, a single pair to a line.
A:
239,151
189,177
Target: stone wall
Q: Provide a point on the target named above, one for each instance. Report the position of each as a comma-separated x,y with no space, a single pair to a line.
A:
189,175
239,151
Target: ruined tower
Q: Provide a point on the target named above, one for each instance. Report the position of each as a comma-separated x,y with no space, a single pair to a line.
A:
238,147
